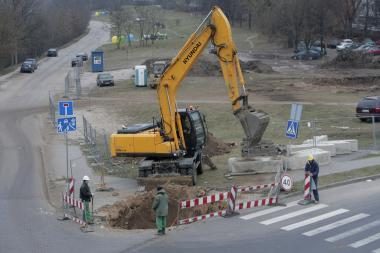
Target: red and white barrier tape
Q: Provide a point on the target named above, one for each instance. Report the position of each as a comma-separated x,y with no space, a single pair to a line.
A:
77,220
73,202
202,217
204,200
306,193
255,203
253,188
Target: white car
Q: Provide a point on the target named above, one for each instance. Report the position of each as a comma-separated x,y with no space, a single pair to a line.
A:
347,43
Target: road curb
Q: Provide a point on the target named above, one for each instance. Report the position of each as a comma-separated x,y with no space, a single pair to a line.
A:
329,186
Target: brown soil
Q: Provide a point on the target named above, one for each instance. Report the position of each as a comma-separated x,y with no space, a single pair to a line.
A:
136,212
216,147
207,67
353,59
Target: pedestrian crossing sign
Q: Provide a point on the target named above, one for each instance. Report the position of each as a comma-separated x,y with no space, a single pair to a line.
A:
292,129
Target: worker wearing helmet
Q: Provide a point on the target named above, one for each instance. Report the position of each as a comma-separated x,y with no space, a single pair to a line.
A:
312,169
86,197
160,207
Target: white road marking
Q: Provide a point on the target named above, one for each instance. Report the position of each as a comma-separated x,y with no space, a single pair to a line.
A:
365,241
353,231
336,224
293,214
268,211
314,219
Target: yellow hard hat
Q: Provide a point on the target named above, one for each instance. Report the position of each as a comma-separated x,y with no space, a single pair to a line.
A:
310,158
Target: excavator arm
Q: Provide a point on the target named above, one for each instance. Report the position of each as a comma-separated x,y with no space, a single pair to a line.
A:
216,28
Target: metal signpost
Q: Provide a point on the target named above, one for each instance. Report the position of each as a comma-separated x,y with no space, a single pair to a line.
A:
64,125
292,127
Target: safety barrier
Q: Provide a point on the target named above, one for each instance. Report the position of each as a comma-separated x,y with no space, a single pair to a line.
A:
69,205
306,191
230,198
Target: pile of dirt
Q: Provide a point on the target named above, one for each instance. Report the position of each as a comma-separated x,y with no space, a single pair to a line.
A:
351,59
136,211
216,147
256,66
206,67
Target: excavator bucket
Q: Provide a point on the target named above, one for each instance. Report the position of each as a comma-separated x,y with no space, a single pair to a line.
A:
254,123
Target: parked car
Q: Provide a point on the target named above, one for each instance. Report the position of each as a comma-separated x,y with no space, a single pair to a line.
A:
84,56
33,61
373,50
307,55
104,79
362,48
367,107
27,67
52,52
332,43
344,44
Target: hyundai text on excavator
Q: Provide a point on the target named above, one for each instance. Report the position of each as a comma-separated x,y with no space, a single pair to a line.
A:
173,145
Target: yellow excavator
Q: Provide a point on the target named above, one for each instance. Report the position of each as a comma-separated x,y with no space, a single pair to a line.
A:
173,144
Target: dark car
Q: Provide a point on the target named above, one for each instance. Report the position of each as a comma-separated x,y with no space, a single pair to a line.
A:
27,67
104,79
33,62
307,55
52,52
373,50
367,107
84,56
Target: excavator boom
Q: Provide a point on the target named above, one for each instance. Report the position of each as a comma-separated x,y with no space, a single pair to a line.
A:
214,28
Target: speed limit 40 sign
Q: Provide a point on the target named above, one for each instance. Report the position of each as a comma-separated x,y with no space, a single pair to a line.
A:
286,182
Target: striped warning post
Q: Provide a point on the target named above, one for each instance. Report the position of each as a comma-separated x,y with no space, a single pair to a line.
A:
204,200
306,192
202,217
232,199
254,188
71,187
77,220
73,202
256,203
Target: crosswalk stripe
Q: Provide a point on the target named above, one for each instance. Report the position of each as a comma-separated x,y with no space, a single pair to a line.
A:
293,214
365,241
376,251
314,219
268,211
336,224
353,231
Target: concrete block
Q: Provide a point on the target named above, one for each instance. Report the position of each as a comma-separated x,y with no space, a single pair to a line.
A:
354,144
298,159
259,164
342,147
324,146
318,138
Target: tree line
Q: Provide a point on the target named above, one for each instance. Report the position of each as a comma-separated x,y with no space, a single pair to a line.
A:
29,27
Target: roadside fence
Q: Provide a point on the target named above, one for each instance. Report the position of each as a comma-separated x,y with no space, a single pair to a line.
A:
73,86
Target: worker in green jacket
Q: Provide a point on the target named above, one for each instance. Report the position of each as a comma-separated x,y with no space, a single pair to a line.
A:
160,207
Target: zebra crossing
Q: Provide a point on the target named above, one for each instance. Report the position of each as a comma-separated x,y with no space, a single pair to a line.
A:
339,218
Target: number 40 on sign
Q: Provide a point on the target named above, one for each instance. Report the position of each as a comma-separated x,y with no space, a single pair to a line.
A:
286,182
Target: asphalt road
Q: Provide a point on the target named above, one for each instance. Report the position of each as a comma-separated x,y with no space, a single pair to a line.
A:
347,220
27,222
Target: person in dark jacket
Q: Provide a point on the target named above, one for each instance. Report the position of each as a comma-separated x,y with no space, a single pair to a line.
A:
312,168
86,197
160,207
